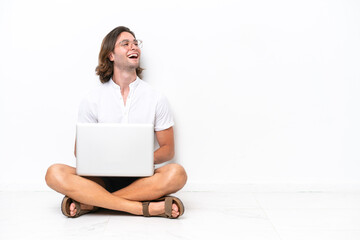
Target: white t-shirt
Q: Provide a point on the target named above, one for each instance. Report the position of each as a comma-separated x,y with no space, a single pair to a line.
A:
144,104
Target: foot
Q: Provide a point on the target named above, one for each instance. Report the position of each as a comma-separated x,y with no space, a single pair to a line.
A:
82,206
156,208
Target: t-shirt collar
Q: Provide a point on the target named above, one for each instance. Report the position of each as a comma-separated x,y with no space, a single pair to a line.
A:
132,85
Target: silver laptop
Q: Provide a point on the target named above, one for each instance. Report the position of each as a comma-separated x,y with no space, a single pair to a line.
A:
112,149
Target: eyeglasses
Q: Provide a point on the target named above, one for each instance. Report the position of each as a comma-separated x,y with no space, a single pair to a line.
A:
127,43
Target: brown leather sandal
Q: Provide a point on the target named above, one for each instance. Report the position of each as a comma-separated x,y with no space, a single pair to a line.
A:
169,200
65,208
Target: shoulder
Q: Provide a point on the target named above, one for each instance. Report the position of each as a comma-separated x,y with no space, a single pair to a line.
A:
158,98
147,90
94,94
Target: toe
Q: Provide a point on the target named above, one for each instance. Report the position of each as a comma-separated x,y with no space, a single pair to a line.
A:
175,214
175,207
72,206
72,209
175,210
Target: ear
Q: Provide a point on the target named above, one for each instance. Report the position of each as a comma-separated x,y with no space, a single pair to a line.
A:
111,56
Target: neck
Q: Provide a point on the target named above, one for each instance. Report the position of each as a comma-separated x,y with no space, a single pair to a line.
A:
124,78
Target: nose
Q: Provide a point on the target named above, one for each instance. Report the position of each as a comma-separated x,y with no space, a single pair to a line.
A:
133,46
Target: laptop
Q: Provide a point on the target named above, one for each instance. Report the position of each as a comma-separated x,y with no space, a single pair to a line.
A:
114,149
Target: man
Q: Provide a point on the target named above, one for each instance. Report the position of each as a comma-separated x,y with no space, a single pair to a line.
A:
123,97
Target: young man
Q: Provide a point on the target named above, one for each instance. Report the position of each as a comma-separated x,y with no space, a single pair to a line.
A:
123,98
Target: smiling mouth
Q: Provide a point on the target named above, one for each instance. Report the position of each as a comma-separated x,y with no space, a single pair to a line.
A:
133,56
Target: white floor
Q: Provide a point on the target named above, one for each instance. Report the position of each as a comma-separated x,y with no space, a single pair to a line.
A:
208,215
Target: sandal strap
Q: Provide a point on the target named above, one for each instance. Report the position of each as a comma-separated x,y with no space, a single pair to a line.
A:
168,206
169,200
145,206
65,208
80,211
78,208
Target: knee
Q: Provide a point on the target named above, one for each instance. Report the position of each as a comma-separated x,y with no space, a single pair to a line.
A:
176,177
55,176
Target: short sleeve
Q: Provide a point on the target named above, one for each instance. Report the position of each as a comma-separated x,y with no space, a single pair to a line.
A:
87,112
163,116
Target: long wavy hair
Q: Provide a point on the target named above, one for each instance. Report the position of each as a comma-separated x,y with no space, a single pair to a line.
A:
105,68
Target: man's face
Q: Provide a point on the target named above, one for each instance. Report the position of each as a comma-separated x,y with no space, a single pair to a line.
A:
126,54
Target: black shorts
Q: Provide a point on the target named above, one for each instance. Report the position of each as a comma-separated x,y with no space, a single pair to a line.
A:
113,184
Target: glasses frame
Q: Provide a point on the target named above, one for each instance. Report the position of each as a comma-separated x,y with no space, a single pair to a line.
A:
138,45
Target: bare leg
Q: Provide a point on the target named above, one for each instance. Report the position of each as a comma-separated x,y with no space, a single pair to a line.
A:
63,179
168,179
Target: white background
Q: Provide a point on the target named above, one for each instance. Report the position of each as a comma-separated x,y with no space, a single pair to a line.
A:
263,92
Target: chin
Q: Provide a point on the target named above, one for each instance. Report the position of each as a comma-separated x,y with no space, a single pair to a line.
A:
135,65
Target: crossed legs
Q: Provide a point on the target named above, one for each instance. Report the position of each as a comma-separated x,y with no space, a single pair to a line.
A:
90,191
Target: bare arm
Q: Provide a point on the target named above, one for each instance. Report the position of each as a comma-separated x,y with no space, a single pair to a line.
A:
166,151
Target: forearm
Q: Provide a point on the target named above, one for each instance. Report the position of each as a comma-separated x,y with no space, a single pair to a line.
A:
163,154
